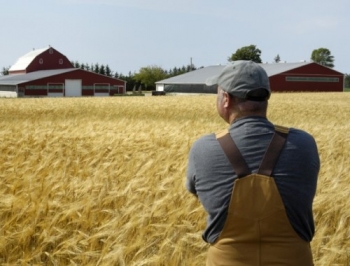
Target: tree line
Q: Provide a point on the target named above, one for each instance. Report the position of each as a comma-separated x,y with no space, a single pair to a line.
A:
147,76
144,79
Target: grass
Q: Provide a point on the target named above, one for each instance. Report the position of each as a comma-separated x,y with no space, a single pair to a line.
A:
100,181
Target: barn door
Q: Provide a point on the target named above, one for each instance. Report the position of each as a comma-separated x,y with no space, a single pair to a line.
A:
73,87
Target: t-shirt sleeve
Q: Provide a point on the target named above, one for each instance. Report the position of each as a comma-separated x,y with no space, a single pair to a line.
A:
191,172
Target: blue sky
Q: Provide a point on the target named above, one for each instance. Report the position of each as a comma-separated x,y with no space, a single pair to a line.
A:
130,34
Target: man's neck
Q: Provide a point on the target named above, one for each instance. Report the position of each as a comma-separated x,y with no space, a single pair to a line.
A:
235,117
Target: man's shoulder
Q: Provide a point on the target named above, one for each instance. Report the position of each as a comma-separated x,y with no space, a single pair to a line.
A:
300,134
205,142
301,139
293,132
205,139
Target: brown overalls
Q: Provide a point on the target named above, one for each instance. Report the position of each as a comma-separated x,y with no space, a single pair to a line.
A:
257,230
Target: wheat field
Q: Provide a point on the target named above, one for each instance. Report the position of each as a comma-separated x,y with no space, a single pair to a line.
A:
100,181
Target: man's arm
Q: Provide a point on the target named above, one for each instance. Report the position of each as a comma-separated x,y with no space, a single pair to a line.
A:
191,174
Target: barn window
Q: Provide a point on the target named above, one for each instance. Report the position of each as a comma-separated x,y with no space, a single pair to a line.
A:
101,87
312,79
60,61
55,87
51,51
41,61
7,88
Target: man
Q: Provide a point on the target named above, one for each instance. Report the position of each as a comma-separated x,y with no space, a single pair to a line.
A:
256,181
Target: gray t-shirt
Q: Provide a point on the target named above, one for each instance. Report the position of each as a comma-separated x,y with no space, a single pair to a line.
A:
210,174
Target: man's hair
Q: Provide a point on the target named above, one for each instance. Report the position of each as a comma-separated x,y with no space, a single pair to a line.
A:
249,106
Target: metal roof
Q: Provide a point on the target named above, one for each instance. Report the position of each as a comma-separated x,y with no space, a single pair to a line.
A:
199,76
24,61
277,68
194,77
16,79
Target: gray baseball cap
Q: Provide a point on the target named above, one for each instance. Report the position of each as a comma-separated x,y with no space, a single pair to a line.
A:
243,79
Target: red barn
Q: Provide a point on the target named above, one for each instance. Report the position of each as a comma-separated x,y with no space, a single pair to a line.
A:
283,77
303,76
48,73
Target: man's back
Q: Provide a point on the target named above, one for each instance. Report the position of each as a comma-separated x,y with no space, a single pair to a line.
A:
211,176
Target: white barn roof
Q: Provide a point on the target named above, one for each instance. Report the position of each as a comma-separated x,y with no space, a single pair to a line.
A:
24,61
199,76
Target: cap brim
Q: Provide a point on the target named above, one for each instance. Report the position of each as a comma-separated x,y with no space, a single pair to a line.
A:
212,81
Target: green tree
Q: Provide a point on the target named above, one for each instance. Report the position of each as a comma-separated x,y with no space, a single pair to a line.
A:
130,80
149,75
323,56
96,68
347,81
250,52
102,70
76,64
178,71
277,59
5,71
175,71
108,71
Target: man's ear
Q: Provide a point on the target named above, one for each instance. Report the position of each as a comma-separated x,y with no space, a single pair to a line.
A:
227,100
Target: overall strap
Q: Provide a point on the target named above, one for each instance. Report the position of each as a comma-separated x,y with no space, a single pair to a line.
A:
269,160
233,154
273,151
